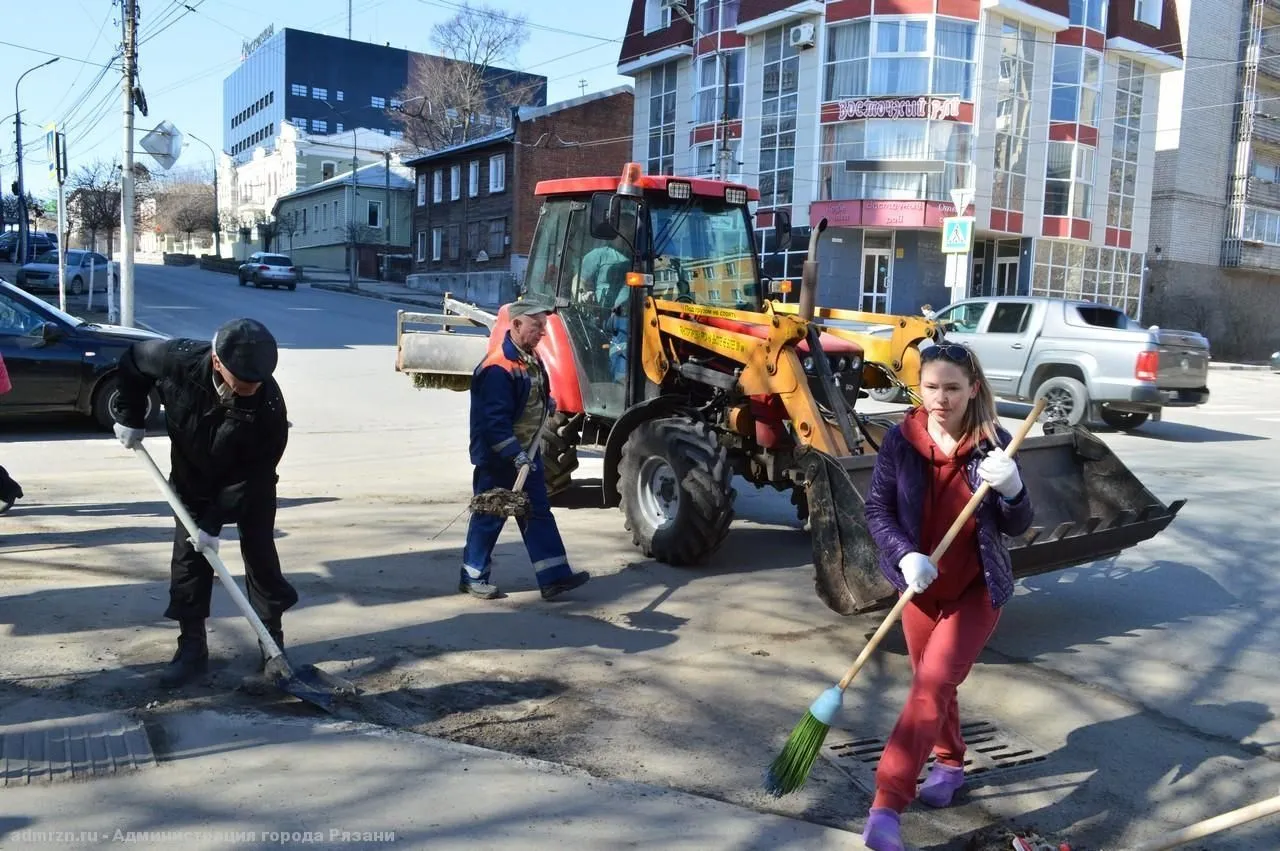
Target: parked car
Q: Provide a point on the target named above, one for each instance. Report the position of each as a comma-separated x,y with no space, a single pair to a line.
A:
38,242
1091,361
59,363
84,268
266,269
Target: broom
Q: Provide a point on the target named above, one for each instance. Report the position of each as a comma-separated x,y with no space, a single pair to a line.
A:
501,502
791,769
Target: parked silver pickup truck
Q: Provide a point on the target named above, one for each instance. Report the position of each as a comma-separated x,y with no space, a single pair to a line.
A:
1089,360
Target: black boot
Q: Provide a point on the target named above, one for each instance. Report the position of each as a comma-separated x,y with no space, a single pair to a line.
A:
191,660
276,631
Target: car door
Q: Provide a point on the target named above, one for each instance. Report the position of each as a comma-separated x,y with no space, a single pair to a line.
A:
101,265
1006,344
45,373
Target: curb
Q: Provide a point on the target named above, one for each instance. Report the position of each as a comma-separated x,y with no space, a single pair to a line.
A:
344,290
1241,367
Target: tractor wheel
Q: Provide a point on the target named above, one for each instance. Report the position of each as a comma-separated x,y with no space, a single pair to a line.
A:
560,452
800,500
677,490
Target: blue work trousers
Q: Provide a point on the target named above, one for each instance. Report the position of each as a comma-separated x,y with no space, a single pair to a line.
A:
538,527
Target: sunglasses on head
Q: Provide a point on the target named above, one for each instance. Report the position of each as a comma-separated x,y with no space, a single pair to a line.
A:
953,352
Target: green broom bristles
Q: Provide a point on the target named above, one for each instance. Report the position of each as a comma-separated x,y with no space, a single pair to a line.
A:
791,768
440,381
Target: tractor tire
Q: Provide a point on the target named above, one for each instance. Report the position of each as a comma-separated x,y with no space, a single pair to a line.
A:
560,452
677,490
800,501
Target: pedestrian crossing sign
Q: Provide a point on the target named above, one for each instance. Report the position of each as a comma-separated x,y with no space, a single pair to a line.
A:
957,234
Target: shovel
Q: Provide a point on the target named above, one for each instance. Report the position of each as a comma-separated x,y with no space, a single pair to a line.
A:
1210,826
306,682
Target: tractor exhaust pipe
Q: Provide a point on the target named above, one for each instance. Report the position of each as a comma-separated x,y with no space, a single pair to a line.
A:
809,276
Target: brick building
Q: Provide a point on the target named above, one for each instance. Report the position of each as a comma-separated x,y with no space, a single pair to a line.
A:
1214,249
870,112
475,209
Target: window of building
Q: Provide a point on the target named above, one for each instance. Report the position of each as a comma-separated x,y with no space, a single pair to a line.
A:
1126,136
893,139
421,253
497,173
473,178
396,103
1068,180
319,94
713,104
300,123
304,219
497,237
319,125
373,214
662,120
338,128
328,169
473,239
437,243
1074,270
717,15
453,243
338,94
893,56
1077,80
1261,226
298,89
779,106
396,134
1266,170
455,182
1013,114
422,190
707,159
437,186
656,16
1089,13
378,103
1148,12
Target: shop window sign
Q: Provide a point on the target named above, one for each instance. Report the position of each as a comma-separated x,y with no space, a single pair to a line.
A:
934,109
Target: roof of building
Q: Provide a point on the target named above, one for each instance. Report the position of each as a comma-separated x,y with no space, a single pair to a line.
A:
373,175
532,113
479,142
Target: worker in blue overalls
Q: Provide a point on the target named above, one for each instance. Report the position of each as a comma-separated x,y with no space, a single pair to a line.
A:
510,397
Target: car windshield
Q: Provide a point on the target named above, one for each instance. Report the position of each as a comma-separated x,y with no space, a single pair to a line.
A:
50,257
26,297
702,252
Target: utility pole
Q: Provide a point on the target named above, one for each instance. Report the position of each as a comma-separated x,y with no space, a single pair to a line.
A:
722,156
130,23
351,215
20,188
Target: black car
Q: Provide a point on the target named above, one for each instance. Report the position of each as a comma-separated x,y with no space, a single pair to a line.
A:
38,242
58,363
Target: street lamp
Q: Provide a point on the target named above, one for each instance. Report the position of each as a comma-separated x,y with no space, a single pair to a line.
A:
217,212
21,192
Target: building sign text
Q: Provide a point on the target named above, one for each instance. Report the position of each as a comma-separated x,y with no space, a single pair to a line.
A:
249,47
935,109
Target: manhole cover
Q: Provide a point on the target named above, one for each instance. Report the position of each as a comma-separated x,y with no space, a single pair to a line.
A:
990,749
72,749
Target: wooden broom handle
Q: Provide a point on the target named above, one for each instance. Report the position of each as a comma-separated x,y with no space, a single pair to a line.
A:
1201,829
970,507
533,455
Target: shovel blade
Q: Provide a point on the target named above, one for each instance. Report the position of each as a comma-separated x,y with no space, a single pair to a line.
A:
310,684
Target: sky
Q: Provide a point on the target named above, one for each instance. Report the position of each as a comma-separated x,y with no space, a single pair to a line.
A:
184,56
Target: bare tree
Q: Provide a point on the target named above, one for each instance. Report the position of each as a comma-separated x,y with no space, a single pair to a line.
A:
447,95
287,225
95,196
186,208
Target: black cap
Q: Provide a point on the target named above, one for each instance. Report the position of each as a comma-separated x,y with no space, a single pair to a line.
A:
247,349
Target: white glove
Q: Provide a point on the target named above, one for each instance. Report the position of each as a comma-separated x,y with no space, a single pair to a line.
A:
918,571
999,471
130,437
206,542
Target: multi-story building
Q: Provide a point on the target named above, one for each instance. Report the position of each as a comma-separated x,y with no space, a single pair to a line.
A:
325,84
869,113
1215,224
476,208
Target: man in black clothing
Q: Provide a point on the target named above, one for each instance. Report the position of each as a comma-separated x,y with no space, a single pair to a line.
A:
228,429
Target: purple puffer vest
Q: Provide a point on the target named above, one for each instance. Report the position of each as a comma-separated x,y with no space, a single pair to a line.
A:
895,511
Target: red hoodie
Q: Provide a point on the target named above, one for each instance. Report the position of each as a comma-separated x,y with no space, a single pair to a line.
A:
946,493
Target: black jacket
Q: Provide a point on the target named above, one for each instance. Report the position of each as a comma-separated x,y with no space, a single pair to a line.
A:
220,453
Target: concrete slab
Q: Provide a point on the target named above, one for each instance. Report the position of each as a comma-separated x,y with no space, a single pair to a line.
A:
250,780
39,743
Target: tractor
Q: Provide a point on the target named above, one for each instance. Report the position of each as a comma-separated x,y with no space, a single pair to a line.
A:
664,352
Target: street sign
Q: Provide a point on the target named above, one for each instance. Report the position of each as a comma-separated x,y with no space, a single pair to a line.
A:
164,144
957,234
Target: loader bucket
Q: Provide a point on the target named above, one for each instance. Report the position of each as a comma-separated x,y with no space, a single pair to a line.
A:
1088,506
441,358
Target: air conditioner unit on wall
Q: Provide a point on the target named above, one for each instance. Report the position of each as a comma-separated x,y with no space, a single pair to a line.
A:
801,36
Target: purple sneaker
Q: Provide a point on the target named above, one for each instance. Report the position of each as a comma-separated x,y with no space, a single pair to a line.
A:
882,832
941,785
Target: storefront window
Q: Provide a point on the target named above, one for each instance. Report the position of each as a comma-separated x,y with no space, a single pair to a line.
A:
1077,271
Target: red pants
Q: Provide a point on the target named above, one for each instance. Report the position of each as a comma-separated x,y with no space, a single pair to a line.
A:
944,640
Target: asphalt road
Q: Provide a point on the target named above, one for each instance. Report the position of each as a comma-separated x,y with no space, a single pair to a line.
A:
1145,685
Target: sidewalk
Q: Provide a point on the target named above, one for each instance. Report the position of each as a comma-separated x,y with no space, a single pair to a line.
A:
249,781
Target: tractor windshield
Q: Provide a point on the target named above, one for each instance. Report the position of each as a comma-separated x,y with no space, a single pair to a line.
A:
703,253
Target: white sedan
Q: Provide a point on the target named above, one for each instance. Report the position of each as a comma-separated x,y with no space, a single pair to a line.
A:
84,268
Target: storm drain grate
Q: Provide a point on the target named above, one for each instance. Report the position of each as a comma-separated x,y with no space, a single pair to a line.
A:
72,749
991,749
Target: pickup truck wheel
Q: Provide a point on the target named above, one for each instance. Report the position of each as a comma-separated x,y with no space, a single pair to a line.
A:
1067,398
1123,420
677,494
885,394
